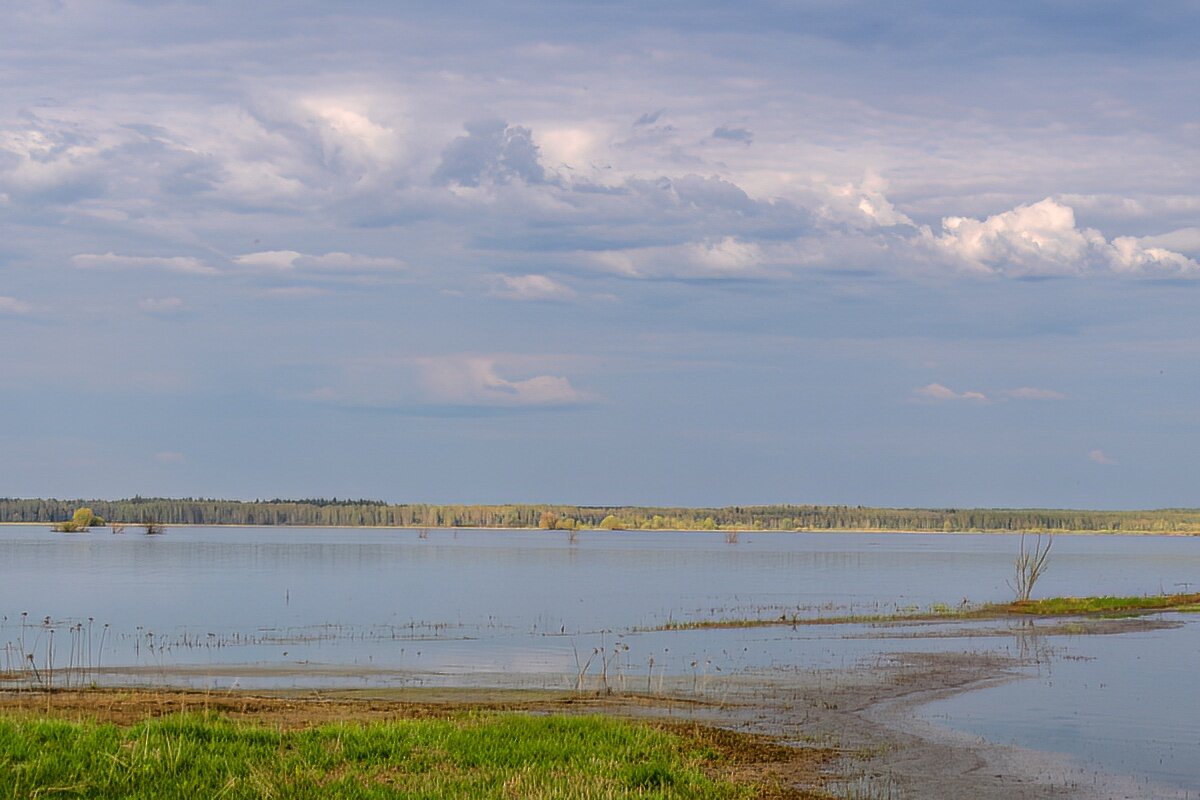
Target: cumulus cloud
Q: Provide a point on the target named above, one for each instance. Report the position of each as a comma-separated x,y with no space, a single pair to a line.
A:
11,305
936,392
56,163
349,135
492,151
1040,238
111,261
530,287
861,205
570,146
1043,238
1100,457
1130,254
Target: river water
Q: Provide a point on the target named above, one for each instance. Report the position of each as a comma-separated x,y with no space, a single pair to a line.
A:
286,607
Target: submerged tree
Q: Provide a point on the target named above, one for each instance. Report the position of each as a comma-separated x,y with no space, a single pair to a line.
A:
80,521
1030,564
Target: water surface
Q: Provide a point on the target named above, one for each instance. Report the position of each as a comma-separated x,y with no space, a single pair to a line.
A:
274,607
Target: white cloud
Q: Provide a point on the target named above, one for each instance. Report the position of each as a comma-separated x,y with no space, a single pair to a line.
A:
1039,239
1184,240
572,146
270,260
335,263
475,381
936,392
458,380
728,257
39,159
1130,254
1043,239
11,305
161,305
348,263
1100,457
349,134
530,287
183,264
1033,393
862,205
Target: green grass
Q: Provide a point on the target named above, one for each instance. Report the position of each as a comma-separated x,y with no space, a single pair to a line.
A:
1049,607
1068,606
484,755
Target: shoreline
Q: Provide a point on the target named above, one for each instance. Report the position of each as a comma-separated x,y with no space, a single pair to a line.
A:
900,531
866,716
867,713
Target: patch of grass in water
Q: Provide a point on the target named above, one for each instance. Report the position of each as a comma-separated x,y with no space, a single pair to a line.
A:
1067,606
468,756
1049,607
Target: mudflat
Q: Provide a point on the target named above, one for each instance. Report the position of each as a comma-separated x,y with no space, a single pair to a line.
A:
803,735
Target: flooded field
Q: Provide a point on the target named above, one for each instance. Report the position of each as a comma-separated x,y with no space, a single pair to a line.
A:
293,608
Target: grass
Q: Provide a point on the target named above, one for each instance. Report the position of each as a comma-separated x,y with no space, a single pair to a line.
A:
1071,606
1049,607
467,755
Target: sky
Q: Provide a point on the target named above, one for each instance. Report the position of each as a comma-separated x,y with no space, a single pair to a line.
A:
696,253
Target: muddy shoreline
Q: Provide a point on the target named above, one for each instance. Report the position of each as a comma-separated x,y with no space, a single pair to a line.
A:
864,716
861,723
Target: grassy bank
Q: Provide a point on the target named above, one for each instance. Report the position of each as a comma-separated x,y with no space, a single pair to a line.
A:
1048,607
458,754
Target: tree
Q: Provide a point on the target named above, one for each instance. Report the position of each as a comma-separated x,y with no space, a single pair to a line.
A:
1030,564
80,521
86,518
611,523
548,520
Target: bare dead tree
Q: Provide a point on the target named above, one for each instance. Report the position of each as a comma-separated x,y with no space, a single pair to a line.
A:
1030,564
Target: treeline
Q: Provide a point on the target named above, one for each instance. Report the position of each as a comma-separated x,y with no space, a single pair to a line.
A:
334,512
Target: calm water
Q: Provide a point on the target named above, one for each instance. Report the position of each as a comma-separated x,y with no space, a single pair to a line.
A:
303,607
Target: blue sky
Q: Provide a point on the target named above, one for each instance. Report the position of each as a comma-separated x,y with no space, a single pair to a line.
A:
677,253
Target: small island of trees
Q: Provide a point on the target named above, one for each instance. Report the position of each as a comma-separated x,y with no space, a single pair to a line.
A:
83,519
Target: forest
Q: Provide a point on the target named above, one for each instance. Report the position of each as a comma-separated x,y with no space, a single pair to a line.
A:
374,513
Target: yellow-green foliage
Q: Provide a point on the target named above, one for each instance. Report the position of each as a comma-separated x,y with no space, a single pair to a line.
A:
81,520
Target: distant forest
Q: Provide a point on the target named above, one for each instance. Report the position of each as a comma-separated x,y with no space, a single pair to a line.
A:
365,513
